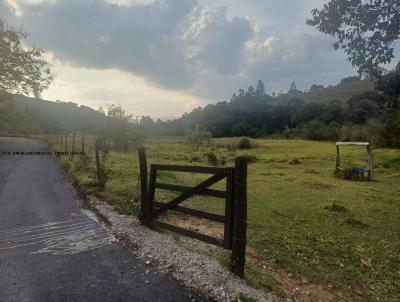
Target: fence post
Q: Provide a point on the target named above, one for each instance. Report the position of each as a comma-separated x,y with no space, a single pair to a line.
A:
143,185
66,142
73,142
82,156
83,143
370,164
150,194
239,216
229,208
99,169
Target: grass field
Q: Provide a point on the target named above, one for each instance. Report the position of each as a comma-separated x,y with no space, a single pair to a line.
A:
345,233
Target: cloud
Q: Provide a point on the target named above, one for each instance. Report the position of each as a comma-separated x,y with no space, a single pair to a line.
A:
193,46
306,59
218,42
95,88
142,39
152,40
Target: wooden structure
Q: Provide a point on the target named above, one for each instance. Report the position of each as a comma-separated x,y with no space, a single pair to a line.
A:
234,195
99,166
354,172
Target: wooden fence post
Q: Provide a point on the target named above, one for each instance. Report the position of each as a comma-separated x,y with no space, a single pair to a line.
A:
239,216
99,168
370,164
66,142
150,194
337,158
143,185
73,142
82,155
229,199
83,143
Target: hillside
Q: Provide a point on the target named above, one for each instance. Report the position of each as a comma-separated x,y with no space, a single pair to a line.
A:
340,92
351,110
248,113
25,115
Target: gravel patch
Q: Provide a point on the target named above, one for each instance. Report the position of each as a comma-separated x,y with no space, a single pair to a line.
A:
163,253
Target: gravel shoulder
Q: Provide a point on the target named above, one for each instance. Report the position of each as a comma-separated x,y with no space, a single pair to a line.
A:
162,252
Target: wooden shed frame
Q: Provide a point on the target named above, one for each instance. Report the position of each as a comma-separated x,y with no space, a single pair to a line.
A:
369,169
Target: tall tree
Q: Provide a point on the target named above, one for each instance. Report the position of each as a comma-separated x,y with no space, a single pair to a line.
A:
22,70
260,89
366,30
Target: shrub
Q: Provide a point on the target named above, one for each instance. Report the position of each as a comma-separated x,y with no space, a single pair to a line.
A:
195,158
212,158
222,161
244,143
295,161
197,138
336,208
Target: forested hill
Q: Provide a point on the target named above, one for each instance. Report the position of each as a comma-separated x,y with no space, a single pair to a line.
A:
351,110
21,115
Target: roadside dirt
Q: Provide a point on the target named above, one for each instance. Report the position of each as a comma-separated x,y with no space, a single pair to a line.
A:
296,286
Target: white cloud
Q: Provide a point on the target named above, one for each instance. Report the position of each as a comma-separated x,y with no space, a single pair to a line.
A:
218,42
155,54
98,87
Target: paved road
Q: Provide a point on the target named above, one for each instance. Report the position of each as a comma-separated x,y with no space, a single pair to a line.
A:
52,251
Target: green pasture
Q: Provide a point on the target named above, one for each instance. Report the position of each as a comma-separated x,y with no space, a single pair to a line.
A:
345,233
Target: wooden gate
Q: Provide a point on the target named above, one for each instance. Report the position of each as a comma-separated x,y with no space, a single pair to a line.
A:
234,195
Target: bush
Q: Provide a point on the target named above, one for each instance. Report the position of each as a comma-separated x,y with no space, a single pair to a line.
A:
195,158
212,158
244,143
295,161
197,138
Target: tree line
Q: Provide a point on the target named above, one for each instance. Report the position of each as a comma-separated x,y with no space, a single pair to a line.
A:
371,115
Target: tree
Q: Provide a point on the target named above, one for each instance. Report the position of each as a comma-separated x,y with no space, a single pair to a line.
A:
293,91
365,30
315,87
22,70
117,127
251,92
389,84
197,138
260,89
349,79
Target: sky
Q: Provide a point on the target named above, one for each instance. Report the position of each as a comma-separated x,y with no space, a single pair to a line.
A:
165,57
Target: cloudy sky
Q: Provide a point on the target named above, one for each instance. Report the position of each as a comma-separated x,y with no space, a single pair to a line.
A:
165,57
